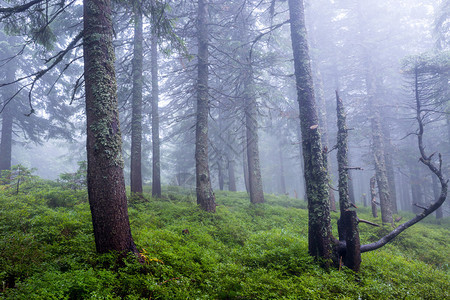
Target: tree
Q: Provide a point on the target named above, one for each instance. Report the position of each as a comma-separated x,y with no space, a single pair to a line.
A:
156,157
205,195
319,223
106,184
136,119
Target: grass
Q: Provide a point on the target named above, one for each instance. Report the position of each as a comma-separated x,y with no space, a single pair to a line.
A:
243,251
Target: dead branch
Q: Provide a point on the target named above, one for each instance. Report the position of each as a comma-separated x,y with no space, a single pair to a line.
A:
368,222
419,206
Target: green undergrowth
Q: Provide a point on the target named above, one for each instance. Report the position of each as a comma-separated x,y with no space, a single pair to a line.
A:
243,251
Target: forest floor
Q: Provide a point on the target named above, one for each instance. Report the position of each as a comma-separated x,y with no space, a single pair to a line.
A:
243,251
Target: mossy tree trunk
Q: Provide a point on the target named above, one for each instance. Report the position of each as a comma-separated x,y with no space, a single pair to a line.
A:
136,107
205,195
348,222
106,184
156,155
319,223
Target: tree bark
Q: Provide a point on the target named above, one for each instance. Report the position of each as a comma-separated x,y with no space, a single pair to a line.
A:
319,222
156,157
435,181
282,179
7,120
106,184
348,222
136,114
373,196
388,153
231,175
205,195
251,132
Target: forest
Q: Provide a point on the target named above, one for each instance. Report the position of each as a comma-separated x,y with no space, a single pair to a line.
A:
221,149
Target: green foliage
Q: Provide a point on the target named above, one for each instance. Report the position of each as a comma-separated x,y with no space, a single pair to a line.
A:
243,251
77,180
15,177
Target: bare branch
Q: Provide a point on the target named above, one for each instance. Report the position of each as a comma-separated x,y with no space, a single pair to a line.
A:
368,222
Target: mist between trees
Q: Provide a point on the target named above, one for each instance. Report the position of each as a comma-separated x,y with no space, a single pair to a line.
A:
238,96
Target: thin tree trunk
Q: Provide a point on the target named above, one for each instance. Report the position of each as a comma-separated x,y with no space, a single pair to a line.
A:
416,187
251,126
156,157
348,222
231,175
7,116
205,195
136,119
220,176
282,180
373,196
388,152
319,222
245,166
106,184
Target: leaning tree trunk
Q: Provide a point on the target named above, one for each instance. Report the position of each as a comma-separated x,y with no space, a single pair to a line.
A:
319,222
156,157
205,195
106,184
136,114
348,222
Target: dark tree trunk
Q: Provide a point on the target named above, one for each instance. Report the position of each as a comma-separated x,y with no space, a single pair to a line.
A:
136,118
156,157
373,196
319,222
282,180
205,195
7,118
6,139
231,175
106,184
435,180
348,222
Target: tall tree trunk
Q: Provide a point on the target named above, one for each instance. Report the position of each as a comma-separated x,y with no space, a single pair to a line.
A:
373,196
378,146
251,131
205,195
416,187
220,175
106,184
245,166
348,222
6,138
322,113
388,153
156,157
231,175
319,222
282,180
136,118
7,120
